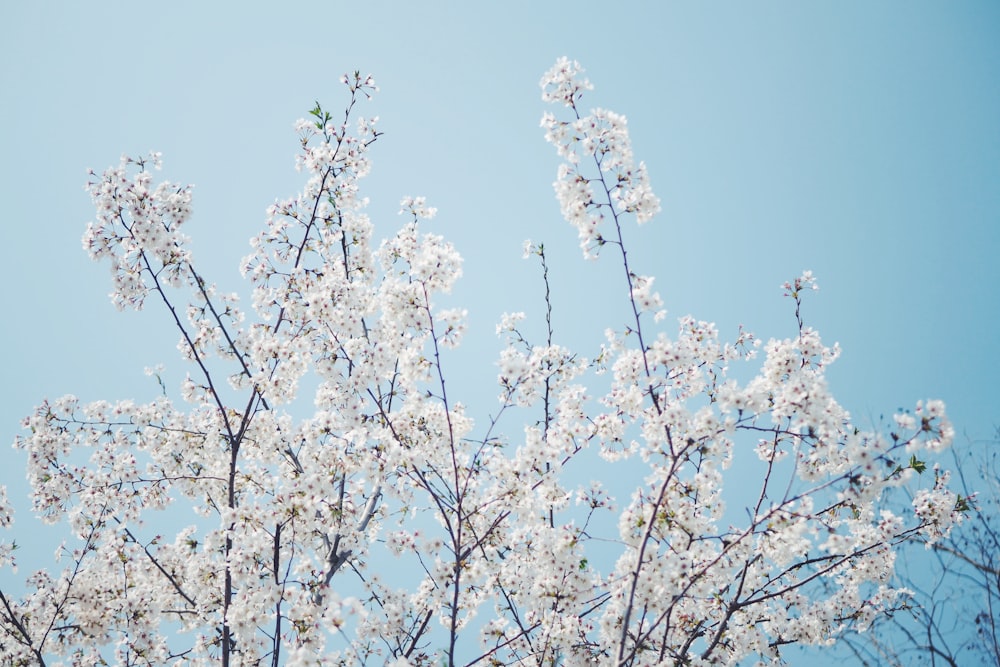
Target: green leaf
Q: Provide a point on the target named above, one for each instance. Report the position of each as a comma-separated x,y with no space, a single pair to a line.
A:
962,504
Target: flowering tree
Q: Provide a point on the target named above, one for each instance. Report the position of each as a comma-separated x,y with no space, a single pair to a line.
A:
382,525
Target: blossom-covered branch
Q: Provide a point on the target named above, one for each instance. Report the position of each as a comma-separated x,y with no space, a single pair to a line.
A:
374,520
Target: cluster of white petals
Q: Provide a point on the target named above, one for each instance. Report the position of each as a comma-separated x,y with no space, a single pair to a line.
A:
375,522
138,228
620,186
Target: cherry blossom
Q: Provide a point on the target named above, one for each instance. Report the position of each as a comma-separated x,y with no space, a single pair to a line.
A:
315,439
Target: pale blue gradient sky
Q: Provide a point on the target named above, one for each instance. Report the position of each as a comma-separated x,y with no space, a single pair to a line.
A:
859,140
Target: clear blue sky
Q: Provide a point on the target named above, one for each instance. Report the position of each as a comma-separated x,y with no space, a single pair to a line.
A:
860,140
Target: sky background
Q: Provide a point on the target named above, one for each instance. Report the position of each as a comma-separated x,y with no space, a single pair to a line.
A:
858,140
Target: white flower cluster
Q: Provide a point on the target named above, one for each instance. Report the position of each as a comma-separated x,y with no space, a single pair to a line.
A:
563,83
138,228
939,508
603,137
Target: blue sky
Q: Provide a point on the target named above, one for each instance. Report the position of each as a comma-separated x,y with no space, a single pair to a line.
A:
859,140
